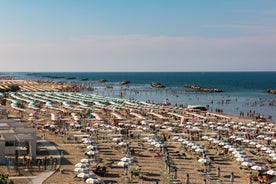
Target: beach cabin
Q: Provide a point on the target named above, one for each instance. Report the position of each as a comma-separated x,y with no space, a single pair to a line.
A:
3,112
16,140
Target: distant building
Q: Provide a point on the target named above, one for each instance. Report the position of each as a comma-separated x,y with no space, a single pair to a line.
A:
16,140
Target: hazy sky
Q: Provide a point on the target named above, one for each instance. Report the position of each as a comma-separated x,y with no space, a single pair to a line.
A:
137,35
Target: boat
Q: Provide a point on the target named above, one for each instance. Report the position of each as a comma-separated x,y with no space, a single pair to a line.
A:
124,82
157,85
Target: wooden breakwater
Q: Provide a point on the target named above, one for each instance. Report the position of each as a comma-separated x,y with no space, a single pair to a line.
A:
203,89
271,91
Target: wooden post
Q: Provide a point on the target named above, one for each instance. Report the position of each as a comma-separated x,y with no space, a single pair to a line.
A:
187,179
232,178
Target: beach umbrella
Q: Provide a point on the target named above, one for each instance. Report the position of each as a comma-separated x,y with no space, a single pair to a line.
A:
123,164
259,167
273,154
123,143
247,164
92,147
199,150
81,169
227,146
240,159
91,152
115,139
94,180
269,151
83,175
127,159
204,160
81,165
271,172
86,160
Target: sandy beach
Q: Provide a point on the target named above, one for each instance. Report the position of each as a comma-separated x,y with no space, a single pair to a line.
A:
166,144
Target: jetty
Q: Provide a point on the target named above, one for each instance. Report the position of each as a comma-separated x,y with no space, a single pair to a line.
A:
157,85
102,80
271,91
124,82
203,89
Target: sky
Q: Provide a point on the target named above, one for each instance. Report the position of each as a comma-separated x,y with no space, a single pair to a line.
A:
137,35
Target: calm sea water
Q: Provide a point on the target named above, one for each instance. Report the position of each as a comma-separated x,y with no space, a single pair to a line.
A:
244,91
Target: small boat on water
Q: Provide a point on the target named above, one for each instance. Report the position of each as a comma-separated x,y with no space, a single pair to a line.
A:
157,85
124,82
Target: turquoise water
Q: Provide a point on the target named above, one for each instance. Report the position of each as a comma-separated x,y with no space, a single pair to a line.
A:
244,91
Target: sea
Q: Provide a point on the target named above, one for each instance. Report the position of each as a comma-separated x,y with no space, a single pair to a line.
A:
243,92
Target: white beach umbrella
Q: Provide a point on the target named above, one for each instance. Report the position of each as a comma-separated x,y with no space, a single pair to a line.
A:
83,175
92,147
91,152
232,149
259,167
247,164
269,151
227,146
252,143
199,150
246,141
86,160
259,145
127,159
264,148
273,154
240,155
271,172
240,159
94,180
123,164
123,143
204,160
81,165
117,139
80,169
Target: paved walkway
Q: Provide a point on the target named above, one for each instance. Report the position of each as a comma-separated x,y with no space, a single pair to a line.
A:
39,179
52,150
